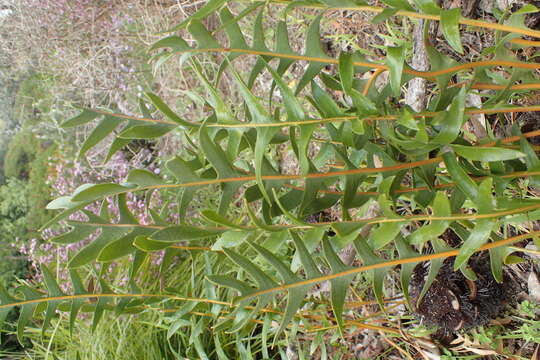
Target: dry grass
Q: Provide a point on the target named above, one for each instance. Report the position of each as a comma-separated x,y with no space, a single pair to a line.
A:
96,52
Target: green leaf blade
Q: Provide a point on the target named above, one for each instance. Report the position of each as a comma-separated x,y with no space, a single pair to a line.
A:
450,28
481,153
395,59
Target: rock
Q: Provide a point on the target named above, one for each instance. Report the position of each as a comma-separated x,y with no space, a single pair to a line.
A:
486,5
533,248
416,92
504,4
291,352
477,122
534,287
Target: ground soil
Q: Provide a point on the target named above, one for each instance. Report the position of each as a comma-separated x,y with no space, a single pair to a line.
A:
531,122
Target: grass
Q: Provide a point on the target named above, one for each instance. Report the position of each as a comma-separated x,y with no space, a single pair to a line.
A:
144,336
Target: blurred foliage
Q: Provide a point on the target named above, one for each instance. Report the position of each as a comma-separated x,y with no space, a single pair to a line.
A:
21,152
34,99
27,159
13,209
39,192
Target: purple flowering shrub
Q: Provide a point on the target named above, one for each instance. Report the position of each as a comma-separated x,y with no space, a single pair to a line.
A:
68,174
94,53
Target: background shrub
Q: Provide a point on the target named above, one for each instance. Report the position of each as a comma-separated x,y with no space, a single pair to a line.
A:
14,206
21,152
39,190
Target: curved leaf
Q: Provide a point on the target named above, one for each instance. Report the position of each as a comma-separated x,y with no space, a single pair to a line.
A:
450,28
477,153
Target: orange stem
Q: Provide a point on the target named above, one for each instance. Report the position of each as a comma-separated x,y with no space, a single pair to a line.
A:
424,74
381,265
371,81
412,14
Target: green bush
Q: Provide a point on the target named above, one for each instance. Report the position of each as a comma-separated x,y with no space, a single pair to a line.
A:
3,150
27,160
21,151
14,206
33,99
39,192
13,210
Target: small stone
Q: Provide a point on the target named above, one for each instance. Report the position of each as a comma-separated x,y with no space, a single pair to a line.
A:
534,287
505,4
486,5
291,352
533,248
